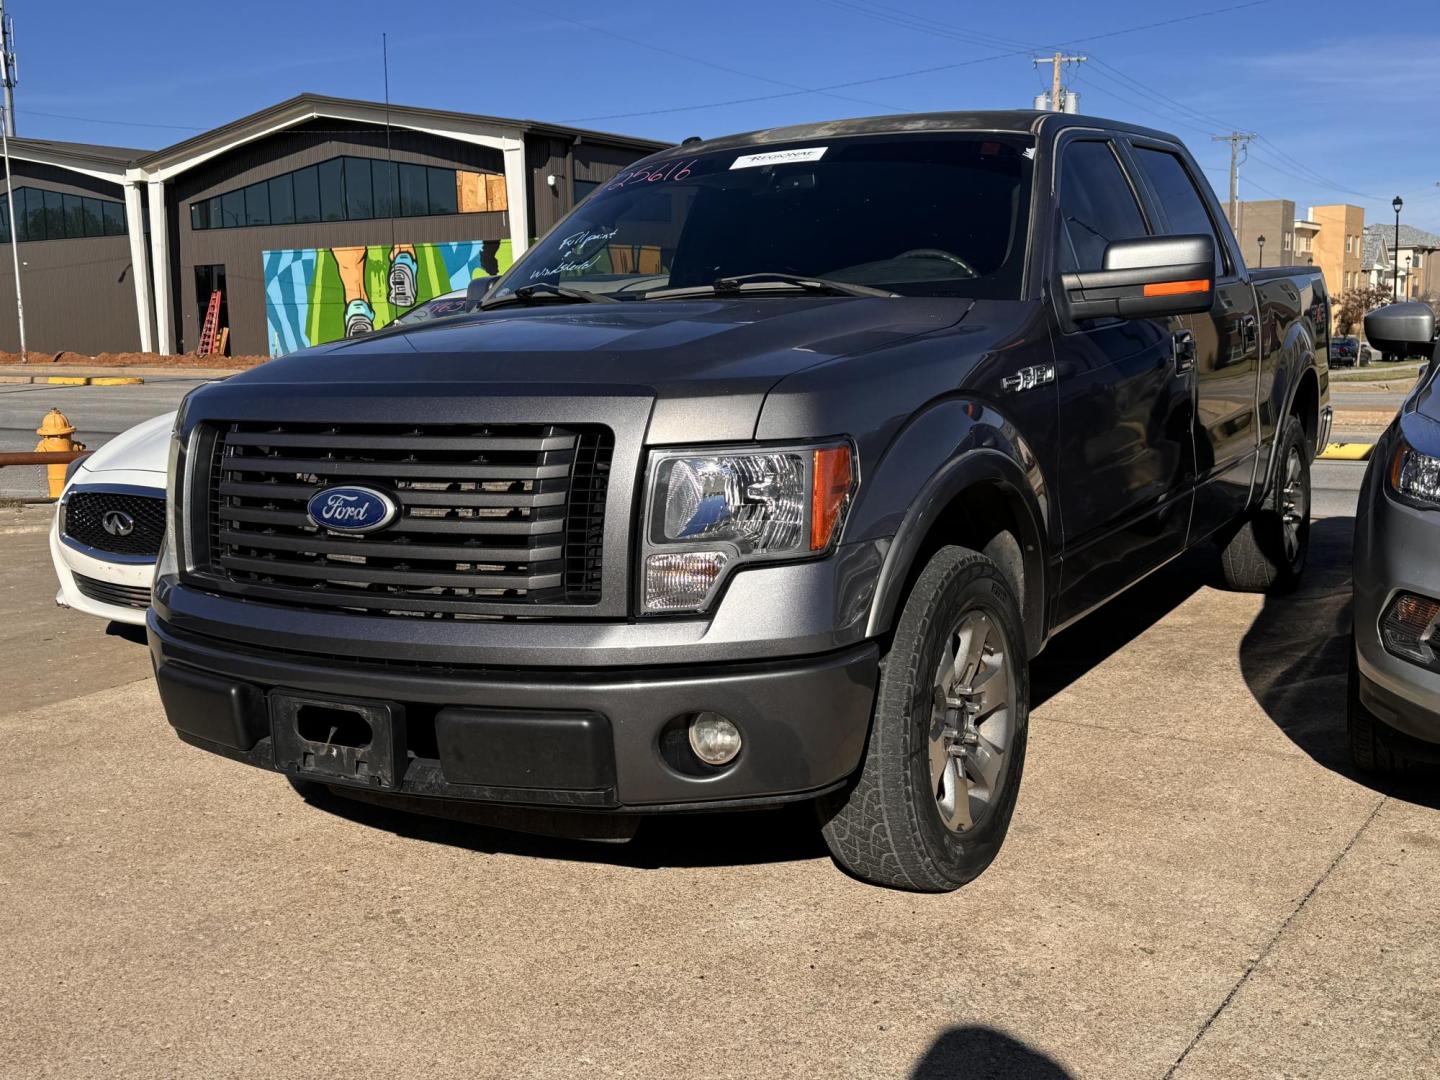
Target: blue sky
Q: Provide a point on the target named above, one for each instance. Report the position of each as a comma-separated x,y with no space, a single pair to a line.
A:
1348,104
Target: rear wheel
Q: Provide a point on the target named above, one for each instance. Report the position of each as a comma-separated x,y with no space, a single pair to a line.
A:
934,797
1268,552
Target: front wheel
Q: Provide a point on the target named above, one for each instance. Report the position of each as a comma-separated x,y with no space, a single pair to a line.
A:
935,793
1268,552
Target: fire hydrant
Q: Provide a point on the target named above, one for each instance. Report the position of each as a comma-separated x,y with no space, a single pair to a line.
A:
55,431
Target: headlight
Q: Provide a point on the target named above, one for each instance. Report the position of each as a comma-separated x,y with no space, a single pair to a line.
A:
168,564
1415,477
707,512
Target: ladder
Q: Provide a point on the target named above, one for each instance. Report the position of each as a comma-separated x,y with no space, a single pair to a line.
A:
212,322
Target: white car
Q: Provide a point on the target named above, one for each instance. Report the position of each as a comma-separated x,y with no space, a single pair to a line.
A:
110,523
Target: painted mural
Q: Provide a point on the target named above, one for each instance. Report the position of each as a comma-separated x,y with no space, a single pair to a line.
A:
314,295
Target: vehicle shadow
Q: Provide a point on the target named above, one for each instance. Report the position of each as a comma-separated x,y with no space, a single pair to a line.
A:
1295,658
980,1053
127,631
782,834
1095,638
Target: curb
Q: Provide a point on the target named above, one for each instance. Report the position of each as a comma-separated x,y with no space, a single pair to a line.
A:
1347,451
72,380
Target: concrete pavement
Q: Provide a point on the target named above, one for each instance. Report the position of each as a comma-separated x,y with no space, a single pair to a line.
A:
1194,886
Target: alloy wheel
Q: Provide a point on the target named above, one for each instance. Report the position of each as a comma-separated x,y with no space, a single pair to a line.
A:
1294,503
971,726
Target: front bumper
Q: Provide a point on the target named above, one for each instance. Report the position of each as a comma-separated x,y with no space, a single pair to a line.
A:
98,586
598,738
1394,552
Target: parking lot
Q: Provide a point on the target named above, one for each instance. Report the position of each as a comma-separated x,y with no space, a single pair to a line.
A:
1195,885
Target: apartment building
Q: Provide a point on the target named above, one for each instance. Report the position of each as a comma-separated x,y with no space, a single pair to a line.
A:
1265,229
1338,247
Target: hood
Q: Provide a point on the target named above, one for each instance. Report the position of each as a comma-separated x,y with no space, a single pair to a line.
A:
143,448
700,369
651,344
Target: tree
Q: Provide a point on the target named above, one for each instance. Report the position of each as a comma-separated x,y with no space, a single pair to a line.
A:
1354,303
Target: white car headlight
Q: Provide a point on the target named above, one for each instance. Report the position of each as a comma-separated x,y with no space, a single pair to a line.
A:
706,512
1415,477
168,565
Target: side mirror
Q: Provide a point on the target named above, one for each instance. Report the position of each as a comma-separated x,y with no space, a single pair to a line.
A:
1147,278
477,290
1404,328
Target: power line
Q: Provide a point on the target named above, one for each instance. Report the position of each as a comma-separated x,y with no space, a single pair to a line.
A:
918,71
1286,162
117,123
711,64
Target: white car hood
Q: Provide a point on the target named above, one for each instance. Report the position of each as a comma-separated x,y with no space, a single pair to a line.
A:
143,448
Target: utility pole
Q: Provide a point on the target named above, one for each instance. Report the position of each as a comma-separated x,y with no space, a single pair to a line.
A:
1238,140
8,68
14,237
1057,62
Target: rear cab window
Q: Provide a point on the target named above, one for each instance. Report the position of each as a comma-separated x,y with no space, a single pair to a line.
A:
1179,200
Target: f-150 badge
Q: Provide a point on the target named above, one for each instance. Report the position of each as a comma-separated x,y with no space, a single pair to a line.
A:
1029,377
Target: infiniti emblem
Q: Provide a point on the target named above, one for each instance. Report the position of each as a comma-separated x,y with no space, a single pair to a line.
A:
118,523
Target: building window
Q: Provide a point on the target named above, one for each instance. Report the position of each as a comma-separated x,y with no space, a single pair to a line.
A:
1285,243
353,189
54,215
257,204
582,188
332,189
282,200
307,195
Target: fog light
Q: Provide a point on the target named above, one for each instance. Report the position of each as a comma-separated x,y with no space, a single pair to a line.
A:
1408,628
714,739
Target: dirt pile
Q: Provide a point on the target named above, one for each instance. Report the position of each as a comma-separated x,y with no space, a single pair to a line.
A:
130,359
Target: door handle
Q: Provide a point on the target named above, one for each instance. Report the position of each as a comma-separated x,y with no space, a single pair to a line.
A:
1183,342
1249,332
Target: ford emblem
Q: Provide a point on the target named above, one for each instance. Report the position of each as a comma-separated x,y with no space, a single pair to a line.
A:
351,509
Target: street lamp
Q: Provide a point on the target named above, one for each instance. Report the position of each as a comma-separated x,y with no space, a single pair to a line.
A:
1409,264
1261,241
1397,203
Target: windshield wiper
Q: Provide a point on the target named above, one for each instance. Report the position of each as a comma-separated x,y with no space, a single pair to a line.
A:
735,283
527,294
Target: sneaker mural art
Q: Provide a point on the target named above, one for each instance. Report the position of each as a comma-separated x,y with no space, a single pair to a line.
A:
314,295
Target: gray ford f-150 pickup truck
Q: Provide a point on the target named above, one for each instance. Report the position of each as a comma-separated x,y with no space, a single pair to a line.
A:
759,478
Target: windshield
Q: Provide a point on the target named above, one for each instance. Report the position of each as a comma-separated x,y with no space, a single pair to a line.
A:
932,215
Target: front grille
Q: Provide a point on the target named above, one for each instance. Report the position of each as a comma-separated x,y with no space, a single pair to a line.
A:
130,596
87,512
489,514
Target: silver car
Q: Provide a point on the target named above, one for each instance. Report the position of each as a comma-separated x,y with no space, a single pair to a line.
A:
1394,701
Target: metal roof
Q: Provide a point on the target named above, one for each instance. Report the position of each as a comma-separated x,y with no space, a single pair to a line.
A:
307,106
295,110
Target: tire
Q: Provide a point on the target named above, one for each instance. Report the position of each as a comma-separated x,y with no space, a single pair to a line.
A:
929,743
1268,552
1368,748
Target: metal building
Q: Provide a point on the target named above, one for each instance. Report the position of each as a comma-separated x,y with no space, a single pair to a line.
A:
315,218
